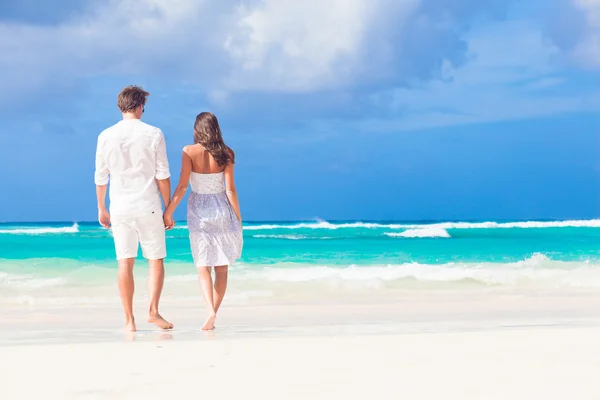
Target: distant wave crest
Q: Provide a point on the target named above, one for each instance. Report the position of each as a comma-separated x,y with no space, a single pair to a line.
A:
289,237
442,225
41,231
420,233
594,223
311,225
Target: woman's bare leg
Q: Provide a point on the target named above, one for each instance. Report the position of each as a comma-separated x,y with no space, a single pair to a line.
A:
206,286
220,286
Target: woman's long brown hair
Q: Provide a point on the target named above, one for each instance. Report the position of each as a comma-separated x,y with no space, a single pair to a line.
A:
208,134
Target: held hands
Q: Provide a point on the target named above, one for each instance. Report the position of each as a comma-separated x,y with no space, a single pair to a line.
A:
104,217
168,221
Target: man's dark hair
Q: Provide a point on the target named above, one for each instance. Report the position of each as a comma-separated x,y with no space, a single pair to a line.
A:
131,97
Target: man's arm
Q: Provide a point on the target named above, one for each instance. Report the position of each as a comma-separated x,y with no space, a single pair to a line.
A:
163,174
164,187
101,179
103,214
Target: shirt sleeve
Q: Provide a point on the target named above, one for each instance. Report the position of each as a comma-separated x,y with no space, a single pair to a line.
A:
101,174
162,163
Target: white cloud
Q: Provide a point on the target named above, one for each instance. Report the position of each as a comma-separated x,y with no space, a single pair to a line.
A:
302,45
587,50
264,45
328,47
126,37
510,63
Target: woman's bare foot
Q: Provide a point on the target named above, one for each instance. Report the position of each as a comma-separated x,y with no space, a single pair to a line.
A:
159,321
209,324
130,325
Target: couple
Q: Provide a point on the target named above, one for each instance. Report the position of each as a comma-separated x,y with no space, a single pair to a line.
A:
133,156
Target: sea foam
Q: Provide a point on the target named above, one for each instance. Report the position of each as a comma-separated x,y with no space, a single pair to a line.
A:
21,281
289,237
594,223
441,225
420,233
537,270
41,231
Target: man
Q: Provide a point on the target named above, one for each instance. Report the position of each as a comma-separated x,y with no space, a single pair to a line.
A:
134,155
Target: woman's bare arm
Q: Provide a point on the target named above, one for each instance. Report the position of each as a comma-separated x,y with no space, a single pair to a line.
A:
182,186
231,190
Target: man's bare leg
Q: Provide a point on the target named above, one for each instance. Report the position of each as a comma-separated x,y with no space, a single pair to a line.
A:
206,286
156,278
220,286
126,289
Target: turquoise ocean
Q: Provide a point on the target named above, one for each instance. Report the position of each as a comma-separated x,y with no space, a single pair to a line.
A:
44,261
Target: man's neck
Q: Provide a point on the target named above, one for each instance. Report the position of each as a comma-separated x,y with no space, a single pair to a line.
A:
129,116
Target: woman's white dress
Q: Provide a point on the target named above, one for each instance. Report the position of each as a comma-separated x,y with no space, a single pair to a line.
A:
215,231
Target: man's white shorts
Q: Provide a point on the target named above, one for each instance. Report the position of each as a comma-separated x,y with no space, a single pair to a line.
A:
149,231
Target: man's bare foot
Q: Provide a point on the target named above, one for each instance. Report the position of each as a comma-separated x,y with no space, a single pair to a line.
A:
130,325
209,324
159,321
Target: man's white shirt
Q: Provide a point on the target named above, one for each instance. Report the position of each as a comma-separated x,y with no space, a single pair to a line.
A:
134,155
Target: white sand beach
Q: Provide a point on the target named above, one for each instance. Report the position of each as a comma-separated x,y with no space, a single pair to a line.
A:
534,363
418,345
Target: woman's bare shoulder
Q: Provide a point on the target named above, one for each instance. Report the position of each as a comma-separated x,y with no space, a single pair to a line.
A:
192,149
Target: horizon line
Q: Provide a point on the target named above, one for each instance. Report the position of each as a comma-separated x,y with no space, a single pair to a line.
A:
333,221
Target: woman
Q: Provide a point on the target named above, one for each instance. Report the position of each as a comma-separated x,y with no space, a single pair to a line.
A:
213,216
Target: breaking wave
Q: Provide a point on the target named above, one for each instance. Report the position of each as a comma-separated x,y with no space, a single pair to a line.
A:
441,225
41,231
420,233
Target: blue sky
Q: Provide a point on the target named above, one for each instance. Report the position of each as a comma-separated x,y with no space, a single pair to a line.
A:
337,109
